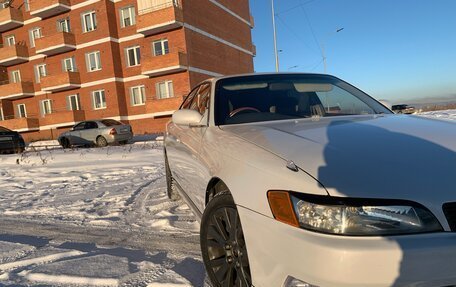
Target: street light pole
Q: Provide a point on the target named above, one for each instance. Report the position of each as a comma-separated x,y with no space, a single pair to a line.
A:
276,53
323,53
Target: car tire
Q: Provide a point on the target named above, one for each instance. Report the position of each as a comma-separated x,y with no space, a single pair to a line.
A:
101,141
171,190
65,143
223,246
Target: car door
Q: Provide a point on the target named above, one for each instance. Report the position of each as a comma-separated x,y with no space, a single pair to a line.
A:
90,132
184,158
75,134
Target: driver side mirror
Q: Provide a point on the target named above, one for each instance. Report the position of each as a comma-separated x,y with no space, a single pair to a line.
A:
189,118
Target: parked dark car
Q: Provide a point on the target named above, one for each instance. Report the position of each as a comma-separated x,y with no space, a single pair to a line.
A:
403,109
11,141
96,132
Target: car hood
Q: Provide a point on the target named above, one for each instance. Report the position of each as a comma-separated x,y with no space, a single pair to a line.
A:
381,156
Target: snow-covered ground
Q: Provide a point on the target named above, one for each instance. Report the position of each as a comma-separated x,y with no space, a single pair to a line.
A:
443,115
97,217
94,217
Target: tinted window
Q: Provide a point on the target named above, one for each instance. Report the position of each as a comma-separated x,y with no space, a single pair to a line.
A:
79,126
109,123
91,125
288,96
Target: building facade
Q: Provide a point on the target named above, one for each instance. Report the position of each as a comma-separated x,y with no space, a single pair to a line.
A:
64,61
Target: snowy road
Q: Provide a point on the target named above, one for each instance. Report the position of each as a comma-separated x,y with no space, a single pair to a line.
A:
94,217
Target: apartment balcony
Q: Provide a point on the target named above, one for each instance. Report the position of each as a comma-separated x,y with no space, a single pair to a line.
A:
254,50
170,63
55,44
21,124
49,8
19,90
160,18
61,82
13,55
10,18
163,107
62,118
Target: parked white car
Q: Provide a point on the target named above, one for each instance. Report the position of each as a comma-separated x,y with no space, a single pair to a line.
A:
304,180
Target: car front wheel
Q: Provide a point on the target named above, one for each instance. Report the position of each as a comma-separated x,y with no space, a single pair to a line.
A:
222,244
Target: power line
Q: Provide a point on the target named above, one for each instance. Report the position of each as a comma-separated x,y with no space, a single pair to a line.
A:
297,6
312,30
301,40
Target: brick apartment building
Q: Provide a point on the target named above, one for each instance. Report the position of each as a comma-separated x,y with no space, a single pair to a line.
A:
64,61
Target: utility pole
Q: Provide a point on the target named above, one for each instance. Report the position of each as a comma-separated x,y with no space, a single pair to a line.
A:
276,52
323,52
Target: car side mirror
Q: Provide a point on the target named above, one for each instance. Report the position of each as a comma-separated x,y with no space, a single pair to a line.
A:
189,118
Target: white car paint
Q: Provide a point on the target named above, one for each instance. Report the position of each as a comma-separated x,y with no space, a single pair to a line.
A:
371,156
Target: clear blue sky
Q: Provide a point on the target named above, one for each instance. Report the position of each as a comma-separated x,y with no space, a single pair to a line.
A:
400,50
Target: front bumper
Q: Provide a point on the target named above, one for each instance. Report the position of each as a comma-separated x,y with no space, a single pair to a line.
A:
277,250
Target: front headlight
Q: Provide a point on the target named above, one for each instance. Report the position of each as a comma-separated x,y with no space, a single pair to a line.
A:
349,216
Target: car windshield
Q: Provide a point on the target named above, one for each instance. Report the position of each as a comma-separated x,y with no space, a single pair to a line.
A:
109,123
257,98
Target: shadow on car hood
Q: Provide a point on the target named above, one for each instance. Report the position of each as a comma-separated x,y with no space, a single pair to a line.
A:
381,156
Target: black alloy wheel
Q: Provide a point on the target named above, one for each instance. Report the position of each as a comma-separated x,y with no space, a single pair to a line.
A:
222,244
65,143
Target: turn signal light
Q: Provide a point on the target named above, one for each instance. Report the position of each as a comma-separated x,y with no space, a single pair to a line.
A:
282,207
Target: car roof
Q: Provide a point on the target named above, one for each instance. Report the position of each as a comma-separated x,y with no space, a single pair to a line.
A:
215,79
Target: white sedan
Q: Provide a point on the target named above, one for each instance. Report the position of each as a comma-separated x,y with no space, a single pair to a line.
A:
304,180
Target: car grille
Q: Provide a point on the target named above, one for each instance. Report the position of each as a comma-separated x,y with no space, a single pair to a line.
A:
450,212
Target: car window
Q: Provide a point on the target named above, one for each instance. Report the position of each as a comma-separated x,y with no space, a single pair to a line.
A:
201,101
109,123
188,100
79,126
90,125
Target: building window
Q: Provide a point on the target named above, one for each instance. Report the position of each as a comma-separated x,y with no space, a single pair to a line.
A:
10,40
27,5
63,25
21,111
40,71
89,21
73,103
34,33
160,47
46,107
127,16
15,76
93,61
99,99
138,95
165,90
69,65
133,56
